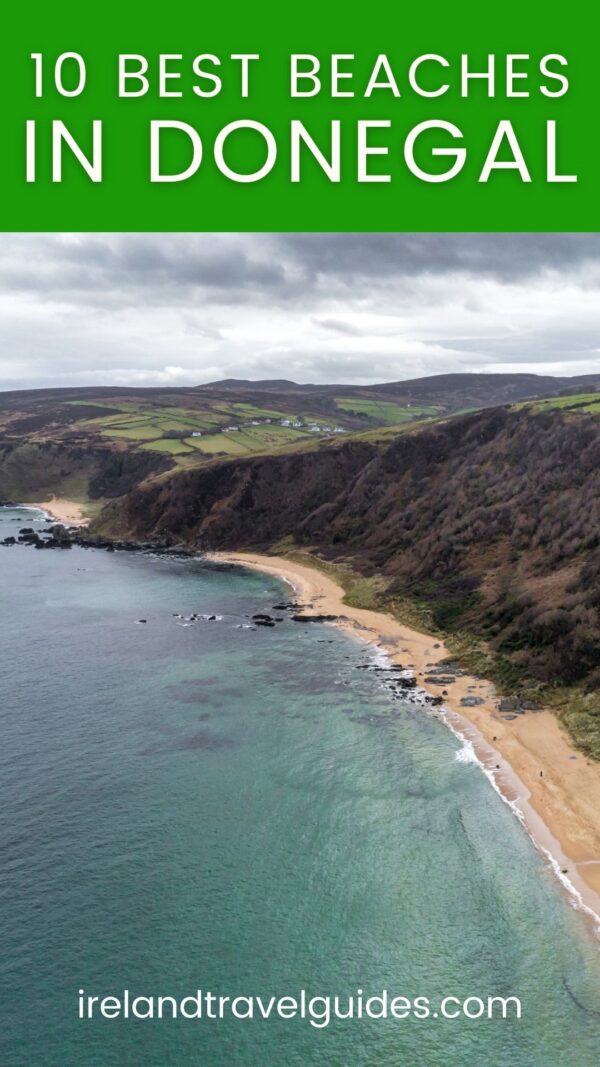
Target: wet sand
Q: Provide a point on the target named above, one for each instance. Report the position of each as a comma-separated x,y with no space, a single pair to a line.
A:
554,789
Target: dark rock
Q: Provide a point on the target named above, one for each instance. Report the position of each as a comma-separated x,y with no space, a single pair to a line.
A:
315,618
9,541
407,683
262,618
507,704
439,679
471,702
28,538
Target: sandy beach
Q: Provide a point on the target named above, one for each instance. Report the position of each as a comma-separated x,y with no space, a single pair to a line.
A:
65,511
529,759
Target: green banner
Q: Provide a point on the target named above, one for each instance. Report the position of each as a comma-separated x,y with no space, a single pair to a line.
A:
342,116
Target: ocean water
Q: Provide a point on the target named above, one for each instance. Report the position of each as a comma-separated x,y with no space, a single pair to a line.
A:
211,807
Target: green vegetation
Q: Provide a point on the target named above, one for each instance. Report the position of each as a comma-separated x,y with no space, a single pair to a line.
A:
381,434
173,445
589,402
246,440
385,411
33,472
141,432
249,411
580,713
216,444
156,428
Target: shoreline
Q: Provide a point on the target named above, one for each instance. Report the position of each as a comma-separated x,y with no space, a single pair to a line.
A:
64,511
552,788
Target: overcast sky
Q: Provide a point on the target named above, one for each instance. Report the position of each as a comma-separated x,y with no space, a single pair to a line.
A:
147,309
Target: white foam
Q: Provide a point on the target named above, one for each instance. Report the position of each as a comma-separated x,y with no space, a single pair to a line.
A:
467,754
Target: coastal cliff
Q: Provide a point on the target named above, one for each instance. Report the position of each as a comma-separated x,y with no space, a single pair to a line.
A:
489,521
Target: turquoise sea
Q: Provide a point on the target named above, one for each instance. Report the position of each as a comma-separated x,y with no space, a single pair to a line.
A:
206,806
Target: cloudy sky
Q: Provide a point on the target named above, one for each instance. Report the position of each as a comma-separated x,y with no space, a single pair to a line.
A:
148,309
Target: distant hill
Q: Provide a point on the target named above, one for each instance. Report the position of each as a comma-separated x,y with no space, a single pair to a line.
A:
278,384
452,390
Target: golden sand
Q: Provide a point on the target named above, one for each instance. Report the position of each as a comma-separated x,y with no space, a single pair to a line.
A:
65,511
555,787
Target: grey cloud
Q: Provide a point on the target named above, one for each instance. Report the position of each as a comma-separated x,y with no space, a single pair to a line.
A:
113,269
96,308
339,326
505,256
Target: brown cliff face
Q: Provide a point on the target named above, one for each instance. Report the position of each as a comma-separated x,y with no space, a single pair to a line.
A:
252,501
492,520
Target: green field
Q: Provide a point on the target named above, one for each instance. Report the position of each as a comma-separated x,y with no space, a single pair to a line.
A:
172,445
149,427
246,440
140,432
248,411
385,411
153,424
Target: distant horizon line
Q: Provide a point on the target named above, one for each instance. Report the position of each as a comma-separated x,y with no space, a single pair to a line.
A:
273,383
